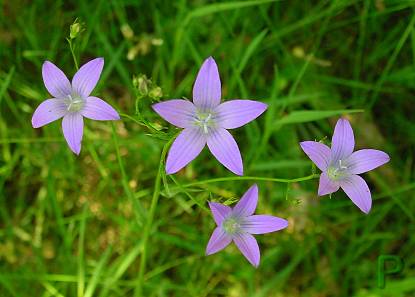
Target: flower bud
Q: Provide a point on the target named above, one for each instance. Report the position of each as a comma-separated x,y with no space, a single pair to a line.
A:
155,93
141,83
75,29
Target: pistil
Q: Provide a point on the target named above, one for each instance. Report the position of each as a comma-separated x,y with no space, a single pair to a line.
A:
204,120
231,225
74,103
338,171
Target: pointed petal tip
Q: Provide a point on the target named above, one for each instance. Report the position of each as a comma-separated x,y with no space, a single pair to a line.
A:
343,120
365,208
366,211
98,60
170,170
236,113
33,121
358,191
207,86
224,148
285,225
76,151
209,60
239,172
263,105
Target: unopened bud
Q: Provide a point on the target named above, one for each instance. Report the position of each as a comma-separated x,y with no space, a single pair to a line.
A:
75,29
127,32
156,93
141,83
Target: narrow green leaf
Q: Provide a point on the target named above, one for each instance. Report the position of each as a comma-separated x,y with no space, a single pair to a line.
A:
304,116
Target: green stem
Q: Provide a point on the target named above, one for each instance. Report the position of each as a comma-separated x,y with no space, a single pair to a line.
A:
150,218
141,123
73,54
259,178
138,210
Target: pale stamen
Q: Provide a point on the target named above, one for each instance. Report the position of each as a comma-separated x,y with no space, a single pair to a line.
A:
231,225
204,121
74,103
337,172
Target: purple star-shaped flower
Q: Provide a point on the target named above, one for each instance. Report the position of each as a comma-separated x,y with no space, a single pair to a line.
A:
205,122
341,166
72,101
238,224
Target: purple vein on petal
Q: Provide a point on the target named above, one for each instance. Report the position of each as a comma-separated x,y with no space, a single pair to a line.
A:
343,140
318,152
365,160
358,191
177,112
248,245
48,111
86,78
207,87
218,241
186,147
236,113
225,149
72,126
55,80
99,110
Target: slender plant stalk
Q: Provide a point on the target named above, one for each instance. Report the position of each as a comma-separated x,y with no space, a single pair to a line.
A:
260,178
73,54
138,210
150,218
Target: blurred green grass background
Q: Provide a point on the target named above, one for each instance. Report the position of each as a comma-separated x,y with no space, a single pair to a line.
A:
73,226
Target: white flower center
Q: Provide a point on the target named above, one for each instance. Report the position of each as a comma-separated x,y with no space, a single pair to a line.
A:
74,103
231,225
204,120
337,171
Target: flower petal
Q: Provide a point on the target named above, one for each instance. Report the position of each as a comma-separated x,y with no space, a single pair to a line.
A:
55,80
326,186
184,149
207,87
318,152
225,149
99,110
218,241
236,113
73,129
358,191
247,205
365,160
342,143
177,112
85,80
48,111
248,245
260,224
219,212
